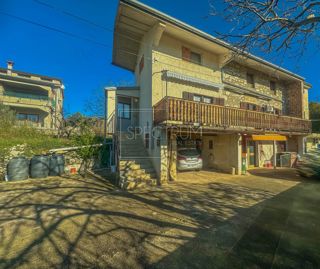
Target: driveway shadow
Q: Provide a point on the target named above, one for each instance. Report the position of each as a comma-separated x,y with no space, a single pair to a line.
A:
85,223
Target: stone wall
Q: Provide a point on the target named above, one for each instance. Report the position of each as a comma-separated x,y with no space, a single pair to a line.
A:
236,74
73,163
7,154
294,99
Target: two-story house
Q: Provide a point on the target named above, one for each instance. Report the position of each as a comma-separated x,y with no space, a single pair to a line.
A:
36,99
194,90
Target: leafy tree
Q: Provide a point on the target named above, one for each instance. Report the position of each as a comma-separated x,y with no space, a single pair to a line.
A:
314,108
86,141
7,117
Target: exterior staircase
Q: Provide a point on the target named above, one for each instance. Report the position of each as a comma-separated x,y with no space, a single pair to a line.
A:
135,167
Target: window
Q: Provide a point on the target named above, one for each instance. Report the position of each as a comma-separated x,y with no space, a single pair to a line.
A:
21,116
124,110
250,106
195,57
28,117
207,100
33,118
277,111
273,87
250,80
191,56
197,98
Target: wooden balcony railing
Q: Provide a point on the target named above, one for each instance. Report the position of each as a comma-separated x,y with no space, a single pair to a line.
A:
179,111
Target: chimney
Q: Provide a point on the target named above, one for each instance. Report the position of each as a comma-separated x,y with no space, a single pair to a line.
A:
9,67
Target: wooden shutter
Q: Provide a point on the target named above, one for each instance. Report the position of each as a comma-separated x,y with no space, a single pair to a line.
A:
221,101
185,95
243,105
186,54
191,96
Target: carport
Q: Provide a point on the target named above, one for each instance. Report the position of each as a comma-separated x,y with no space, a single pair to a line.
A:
219,151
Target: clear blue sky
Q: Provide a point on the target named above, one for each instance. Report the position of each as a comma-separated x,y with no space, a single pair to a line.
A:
85,67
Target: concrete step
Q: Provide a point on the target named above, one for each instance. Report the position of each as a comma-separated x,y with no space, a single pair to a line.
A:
137,170
131,143
140,177
138,174
129,185
137,162
128,155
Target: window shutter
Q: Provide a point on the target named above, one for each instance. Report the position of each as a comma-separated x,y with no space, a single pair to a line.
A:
243,105
221,101
185,95
258,108
186,54
190,96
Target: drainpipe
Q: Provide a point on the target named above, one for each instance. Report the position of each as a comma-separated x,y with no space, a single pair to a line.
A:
274,154
105,116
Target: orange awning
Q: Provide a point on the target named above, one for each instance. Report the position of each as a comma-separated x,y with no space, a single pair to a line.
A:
270,137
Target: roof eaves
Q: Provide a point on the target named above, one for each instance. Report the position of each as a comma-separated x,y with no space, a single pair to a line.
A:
164,17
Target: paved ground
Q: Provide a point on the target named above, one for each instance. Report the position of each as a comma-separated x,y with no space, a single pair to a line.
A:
310,164
205,220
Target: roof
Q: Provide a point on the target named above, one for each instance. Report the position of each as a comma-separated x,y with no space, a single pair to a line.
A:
126,28
27,74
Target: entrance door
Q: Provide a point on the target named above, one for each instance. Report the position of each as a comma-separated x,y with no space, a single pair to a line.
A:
124,115
251,153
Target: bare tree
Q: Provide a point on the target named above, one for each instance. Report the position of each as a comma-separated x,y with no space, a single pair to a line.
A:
271,25
95,104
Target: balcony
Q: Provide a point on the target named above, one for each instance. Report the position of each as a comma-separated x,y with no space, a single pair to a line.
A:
175,111
26,95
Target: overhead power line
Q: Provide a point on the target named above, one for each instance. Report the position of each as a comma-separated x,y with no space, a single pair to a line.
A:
91,40
72,15
53,29
88,39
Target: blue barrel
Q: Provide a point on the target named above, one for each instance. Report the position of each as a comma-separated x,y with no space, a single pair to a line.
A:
18,169
56,165
39,166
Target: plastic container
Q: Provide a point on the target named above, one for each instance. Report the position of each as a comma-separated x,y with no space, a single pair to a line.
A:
56,165
39,166
18,169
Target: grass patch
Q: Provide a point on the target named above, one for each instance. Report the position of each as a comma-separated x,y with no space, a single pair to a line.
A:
36,141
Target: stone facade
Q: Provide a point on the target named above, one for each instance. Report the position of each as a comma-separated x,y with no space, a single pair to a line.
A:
236,74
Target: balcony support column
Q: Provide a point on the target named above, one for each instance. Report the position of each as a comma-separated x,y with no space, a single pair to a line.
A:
239,155
274,154
301,145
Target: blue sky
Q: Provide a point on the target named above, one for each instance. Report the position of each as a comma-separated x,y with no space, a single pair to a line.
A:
85,67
